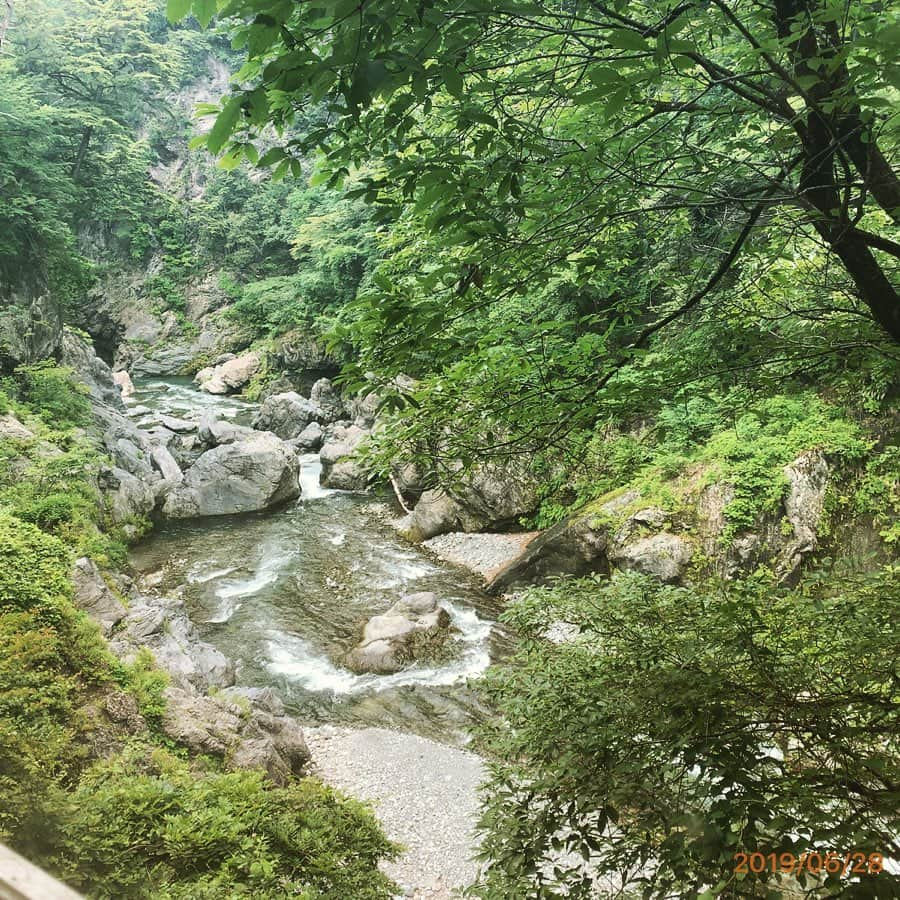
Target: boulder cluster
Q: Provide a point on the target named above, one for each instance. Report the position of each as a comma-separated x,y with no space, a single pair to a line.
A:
204,709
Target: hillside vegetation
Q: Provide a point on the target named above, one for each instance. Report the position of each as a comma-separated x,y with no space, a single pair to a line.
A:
634,256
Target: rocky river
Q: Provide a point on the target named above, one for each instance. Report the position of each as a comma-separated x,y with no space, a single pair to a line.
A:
281,593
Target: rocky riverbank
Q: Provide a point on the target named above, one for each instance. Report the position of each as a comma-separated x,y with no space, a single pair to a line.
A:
424,793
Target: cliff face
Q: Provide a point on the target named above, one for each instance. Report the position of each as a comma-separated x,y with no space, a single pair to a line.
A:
158,311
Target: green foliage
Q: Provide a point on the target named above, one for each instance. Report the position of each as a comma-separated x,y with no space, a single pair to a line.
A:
590,208
79,80
47,658
681,725
52,392
148,683
209,835
751,455
878,493
142,823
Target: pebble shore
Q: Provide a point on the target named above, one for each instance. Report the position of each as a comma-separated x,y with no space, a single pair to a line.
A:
424,793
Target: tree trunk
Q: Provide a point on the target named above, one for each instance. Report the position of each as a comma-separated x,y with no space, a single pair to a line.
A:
819,185
82,149
7,21
873,285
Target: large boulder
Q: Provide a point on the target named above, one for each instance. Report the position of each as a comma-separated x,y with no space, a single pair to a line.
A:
230,376
126,385
166,464
249,731
414,628
245,476
341,468
93,595
310,439
78,354
12,429
286,414
663,555
161,624
213,432
326,397
298,352
491,496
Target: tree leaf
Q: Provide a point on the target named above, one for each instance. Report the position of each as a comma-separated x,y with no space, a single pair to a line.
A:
453,81
225,124
204,10
176,10
625,39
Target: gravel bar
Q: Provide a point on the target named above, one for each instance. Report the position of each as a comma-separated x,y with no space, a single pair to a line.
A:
483,554
424,793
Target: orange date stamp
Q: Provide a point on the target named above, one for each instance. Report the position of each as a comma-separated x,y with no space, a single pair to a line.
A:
830,862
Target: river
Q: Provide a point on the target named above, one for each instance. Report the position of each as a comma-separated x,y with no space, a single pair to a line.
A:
283,592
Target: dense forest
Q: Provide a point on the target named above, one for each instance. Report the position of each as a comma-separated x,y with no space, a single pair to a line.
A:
624,275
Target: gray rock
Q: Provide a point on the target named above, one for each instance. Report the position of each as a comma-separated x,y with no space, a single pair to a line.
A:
162,625
245,476
246,735
158,434
324,395
494,495
123,380
179,426
435,513
297,352
214,433
167,358
309,440
126,497
165,462
340,468
130,456
576,546
78,354
94,596
363,409
413,628
187,449
663,555
12,429
803,506
263,698
286,414
230,375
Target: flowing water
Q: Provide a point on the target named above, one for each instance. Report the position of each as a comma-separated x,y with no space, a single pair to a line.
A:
283,593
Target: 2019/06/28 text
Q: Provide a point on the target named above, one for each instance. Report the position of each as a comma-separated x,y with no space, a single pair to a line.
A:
854,862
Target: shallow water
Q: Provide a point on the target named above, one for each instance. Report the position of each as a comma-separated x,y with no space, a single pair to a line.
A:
283,593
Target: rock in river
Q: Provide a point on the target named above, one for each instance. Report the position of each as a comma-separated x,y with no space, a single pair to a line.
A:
286,414
415,627
245,476
230,376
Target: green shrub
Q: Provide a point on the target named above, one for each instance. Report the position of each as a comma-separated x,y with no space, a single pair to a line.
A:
148,683
680,726
53,394
145,825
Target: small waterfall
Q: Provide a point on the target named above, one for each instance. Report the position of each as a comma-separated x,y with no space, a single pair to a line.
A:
310,472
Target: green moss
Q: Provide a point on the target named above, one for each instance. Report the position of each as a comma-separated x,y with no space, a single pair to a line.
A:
669,467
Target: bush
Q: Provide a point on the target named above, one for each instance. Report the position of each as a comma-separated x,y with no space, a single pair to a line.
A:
52,392
145,825
681,726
